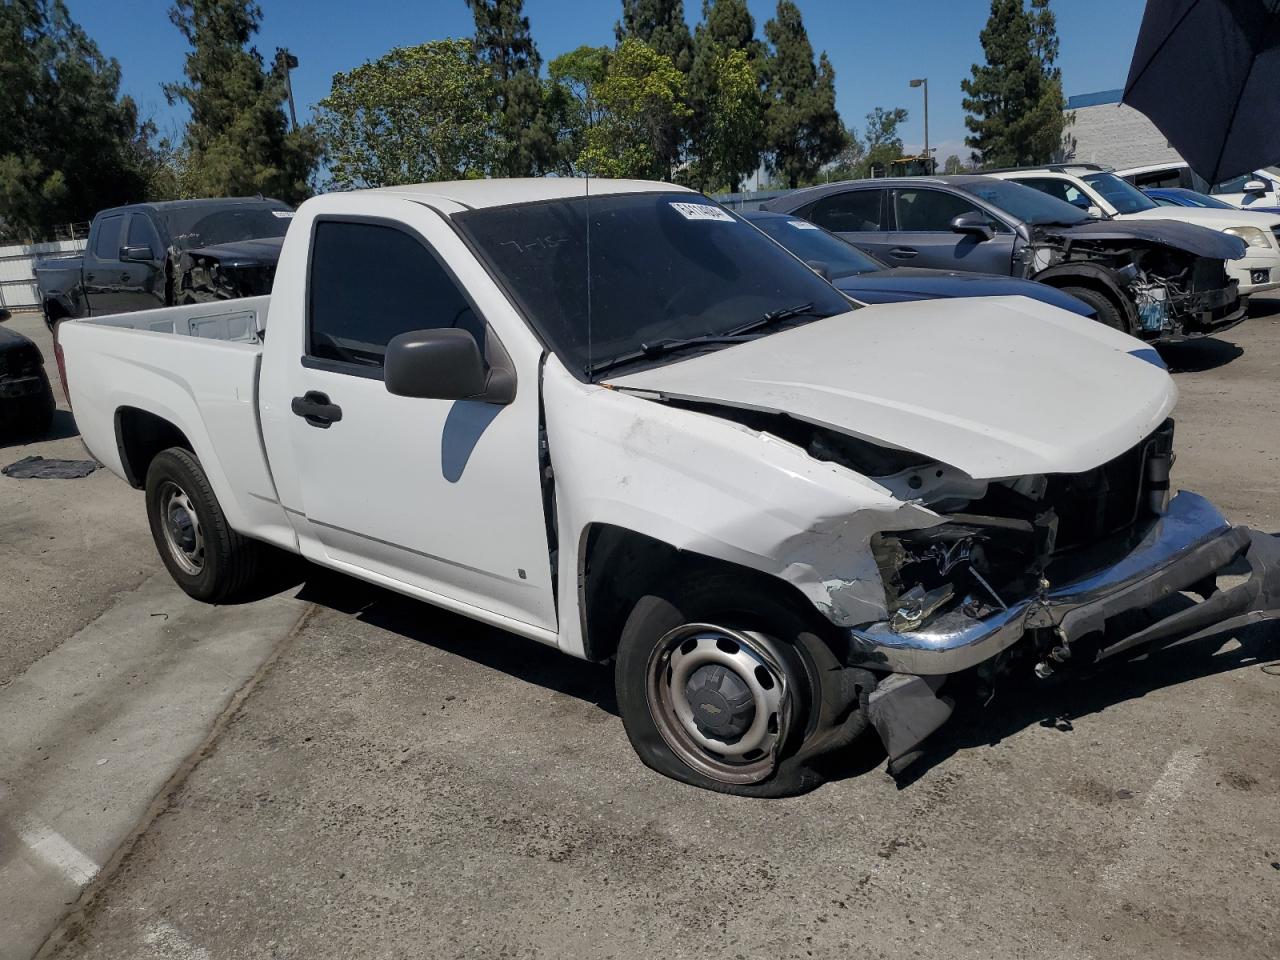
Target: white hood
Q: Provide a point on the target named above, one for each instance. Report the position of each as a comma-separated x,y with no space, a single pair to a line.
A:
994,386
1209,217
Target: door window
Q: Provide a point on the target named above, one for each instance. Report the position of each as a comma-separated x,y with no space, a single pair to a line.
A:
369,283
1171,177
854,211
1234,185
106,246
143,234
929,210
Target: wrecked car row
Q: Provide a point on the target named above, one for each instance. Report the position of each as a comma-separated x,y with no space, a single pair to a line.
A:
1156,279
618,419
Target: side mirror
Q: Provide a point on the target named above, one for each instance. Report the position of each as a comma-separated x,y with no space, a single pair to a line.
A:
138,253
444,364
820,268
4,314
1095,211
1255,186
975,224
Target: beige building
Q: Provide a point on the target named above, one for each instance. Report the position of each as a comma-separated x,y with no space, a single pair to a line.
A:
1111,133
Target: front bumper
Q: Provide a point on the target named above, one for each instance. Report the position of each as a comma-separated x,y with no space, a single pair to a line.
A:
16,387
1186,546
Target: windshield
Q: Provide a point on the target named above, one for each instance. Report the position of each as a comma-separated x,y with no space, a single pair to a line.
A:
1121,194
812,244
207,225
1201,200
1026,203
662,266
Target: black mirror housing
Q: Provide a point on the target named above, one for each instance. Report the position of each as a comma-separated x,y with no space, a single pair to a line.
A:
974,224
444,364
138,253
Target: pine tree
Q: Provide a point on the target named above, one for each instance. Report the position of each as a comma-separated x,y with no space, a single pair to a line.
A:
238,140
661,25
726,27
524,126
1014,101
803,128
69,143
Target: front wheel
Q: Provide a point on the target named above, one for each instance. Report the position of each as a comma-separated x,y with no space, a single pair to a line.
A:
207,559
719,685
1107,312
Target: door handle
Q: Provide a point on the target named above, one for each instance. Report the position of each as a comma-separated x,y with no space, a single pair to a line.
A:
315,408
903,253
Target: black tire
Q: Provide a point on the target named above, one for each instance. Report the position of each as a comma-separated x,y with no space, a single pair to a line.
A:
1108,313
825,707
228,563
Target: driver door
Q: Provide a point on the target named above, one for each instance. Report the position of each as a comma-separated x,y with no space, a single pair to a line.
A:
444,496
922,234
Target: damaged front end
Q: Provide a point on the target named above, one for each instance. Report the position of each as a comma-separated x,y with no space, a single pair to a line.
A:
1071,564
1176,293
225,272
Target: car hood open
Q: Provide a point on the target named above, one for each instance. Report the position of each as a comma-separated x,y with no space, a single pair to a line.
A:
996,387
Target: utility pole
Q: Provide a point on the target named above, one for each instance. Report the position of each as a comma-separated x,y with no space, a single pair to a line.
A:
928,157
287,61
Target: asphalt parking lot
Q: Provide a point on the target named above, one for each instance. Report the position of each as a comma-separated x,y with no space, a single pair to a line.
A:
334,771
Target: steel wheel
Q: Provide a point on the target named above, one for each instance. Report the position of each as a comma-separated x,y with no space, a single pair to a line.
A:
719,700
181,525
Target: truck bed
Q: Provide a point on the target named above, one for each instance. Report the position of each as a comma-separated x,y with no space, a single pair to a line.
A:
193,366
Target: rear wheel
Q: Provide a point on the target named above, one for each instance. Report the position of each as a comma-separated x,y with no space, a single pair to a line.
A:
1106,310
207,559
718,686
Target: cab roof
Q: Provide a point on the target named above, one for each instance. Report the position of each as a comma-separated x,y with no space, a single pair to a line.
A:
478,194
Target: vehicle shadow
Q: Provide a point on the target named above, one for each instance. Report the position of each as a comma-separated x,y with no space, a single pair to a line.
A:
488,646
1198,356
1065,698
1259,308
62,427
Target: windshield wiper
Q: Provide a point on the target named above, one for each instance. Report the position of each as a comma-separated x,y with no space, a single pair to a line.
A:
659,348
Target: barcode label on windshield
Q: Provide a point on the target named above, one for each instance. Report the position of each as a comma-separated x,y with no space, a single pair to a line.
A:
801,225
283,214
701,211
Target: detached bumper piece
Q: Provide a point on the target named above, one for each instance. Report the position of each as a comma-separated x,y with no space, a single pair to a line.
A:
1186,549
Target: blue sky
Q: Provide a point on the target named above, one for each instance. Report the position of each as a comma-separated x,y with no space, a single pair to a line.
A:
875,45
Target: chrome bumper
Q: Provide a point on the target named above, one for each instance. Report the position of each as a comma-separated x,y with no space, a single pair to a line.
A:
1190,543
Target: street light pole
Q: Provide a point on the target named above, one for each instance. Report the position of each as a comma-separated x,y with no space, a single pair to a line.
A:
924,82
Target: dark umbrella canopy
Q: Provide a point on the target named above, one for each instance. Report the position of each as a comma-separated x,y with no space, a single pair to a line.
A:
1207,73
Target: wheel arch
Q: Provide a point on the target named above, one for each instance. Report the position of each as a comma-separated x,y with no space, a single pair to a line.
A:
1095,278
140,436
617,566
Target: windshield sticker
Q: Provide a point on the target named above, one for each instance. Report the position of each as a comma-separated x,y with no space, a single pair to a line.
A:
801,225
283,214
701,211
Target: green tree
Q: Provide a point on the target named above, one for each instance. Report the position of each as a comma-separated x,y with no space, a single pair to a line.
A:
953,164
882,143
735,124
1014,102
415,114
726,27
576,77
661,25
803,128
518,100
238,139
69,143
640,99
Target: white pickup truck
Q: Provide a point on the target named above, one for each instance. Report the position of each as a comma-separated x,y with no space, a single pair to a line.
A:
614,418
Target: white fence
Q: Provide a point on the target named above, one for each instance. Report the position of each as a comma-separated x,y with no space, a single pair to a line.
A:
17,271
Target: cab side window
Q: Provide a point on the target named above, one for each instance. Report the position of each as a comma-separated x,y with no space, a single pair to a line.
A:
106,245
854,211
371,282
1062,189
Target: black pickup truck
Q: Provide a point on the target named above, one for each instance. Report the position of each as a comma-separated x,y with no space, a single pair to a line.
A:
148,255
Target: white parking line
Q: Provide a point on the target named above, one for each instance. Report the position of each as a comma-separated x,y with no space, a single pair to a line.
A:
1147,830
54,849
